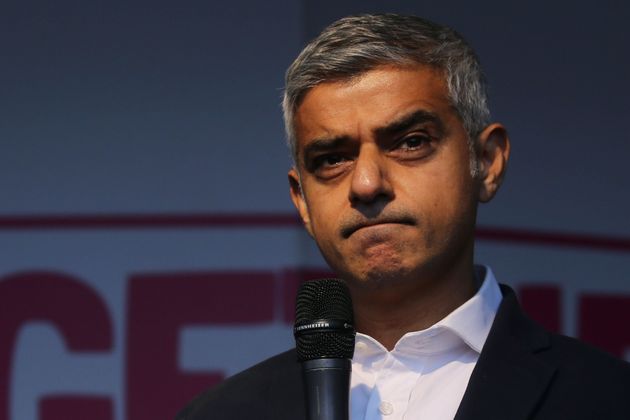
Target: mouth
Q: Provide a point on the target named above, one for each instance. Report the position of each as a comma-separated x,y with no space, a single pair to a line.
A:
351,228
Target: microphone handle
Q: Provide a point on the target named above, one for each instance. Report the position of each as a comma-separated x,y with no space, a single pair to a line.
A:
327,388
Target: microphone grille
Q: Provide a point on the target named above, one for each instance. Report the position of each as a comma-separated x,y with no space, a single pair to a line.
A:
326,300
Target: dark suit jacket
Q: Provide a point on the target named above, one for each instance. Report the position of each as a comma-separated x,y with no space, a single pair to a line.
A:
523,372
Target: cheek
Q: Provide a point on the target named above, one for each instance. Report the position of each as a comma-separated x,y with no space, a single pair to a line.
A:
448,195
460,206
323,214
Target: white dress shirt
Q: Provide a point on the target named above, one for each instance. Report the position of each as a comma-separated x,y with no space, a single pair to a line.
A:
426,374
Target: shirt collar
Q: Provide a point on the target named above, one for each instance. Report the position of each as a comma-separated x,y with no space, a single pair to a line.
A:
469,323
472,320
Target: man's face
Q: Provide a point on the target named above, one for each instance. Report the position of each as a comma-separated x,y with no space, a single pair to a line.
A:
382,178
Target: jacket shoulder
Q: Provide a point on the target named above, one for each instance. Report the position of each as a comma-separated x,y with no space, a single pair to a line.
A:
588,383
524,371
580,362
271,389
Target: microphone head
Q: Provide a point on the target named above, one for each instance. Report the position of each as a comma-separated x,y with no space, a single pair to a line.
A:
324,321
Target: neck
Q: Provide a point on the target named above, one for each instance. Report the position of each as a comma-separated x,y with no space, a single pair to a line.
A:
387,313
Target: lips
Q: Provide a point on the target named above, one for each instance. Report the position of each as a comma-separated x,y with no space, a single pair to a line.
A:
349,228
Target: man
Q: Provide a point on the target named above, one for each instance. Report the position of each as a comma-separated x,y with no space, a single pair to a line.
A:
393,148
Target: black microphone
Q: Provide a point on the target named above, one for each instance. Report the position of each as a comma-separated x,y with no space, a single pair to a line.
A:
324,337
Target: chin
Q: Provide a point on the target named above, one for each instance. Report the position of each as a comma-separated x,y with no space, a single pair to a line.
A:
376,277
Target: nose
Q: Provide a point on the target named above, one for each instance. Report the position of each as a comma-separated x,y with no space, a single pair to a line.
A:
370,180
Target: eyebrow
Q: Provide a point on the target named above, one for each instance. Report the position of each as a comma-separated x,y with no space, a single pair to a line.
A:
402,124
408,121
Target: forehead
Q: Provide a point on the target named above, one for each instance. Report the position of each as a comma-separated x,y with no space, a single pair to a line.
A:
372,100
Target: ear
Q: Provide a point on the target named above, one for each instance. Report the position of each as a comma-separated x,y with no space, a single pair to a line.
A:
493,154
297,196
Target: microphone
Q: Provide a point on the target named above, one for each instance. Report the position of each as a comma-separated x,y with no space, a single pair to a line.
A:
324,337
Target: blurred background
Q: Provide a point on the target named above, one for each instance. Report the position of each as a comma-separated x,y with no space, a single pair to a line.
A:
148,244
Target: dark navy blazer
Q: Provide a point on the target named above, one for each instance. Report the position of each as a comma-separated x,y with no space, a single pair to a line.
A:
523,372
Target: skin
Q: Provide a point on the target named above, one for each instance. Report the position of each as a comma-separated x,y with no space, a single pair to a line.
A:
383,184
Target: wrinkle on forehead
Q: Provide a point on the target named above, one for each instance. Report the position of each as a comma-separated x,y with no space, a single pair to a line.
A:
348,108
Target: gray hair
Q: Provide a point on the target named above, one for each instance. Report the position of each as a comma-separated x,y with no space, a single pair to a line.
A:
354,45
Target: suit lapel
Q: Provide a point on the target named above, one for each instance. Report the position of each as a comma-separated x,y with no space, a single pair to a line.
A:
508,379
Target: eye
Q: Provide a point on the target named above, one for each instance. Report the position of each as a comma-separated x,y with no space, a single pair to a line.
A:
328,160
328,165
413,142
413,146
